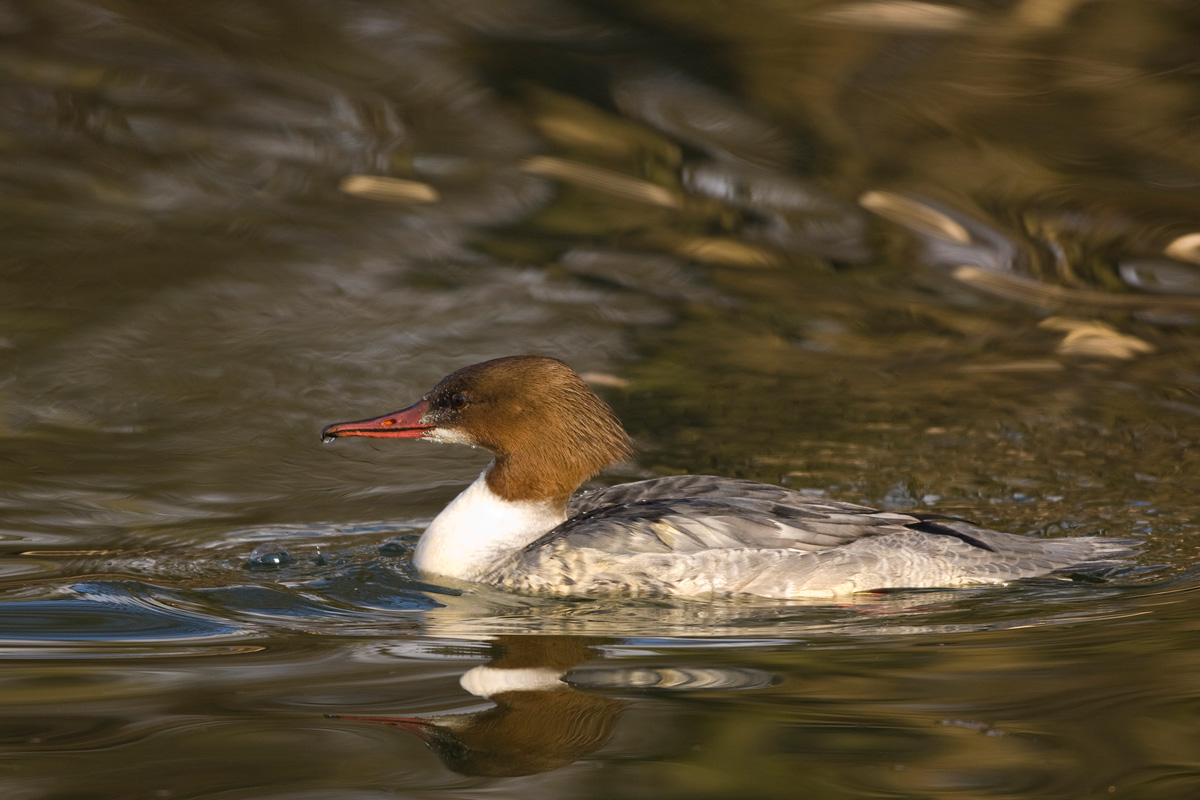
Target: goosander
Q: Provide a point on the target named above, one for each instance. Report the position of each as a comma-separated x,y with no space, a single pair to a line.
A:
518,527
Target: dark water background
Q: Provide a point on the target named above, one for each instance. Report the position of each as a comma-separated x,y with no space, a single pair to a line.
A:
943,256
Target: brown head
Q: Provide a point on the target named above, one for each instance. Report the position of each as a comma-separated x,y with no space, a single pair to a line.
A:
547,429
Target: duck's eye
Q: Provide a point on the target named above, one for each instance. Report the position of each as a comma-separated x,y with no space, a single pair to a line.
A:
458,400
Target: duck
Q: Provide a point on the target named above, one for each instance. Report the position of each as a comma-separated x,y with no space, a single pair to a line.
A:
521,527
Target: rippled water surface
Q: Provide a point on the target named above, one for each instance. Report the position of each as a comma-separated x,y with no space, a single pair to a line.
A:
931,255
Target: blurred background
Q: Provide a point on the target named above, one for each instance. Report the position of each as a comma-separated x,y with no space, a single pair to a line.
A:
935,255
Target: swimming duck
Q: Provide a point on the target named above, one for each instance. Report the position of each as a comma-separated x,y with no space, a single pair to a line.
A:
521,527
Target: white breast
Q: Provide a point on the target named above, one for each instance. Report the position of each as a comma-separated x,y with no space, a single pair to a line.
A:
478,528
486,681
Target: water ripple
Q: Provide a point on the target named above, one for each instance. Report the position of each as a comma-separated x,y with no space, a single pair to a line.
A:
108,614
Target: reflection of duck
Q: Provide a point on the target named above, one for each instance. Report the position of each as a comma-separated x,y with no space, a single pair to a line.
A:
538,722
517,526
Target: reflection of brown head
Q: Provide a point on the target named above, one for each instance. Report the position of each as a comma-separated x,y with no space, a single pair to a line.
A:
528,730
526,733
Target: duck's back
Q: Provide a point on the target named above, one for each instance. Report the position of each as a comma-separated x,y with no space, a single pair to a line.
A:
699,535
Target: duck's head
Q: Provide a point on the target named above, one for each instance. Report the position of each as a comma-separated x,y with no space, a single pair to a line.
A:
547,429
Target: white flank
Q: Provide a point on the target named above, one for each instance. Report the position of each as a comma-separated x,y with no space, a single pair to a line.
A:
479,528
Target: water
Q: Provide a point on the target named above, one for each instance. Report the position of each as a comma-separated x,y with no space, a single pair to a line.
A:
914,255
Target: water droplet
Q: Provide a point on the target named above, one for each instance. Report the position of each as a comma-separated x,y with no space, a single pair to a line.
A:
327,438
271,555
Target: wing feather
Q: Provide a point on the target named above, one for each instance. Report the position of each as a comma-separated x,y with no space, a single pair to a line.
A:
690,513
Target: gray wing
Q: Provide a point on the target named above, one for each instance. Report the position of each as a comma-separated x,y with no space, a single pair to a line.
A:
692,513
699,487
689,513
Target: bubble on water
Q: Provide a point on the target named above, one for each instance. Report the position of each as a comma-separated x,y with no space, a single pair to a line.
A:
271,555
393,547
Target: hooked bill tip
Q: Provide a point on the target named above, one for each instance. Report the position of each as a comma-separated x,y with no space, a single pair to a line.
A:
327,438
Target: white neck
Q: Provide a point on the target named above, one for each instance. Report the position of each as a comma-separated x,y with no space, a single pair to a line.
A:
478,528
